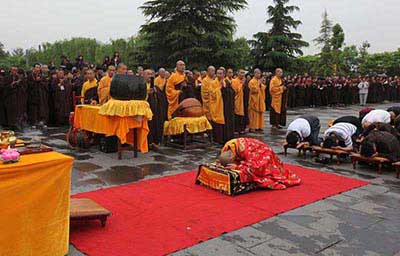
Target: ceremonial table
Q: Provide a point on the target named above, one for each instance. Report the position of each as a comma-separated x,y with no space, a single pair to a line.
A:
128,120
35,203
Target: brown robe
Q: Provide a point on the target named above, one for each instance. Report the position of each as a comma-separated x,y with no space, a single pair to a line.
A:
38,95
62,101
11,100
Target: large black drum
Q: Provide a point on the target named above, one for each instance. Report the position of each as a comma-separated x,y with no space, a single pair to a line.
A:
128,87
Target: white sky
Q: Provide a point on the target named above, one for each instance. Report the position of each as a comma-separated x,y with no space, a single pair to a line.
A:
26,23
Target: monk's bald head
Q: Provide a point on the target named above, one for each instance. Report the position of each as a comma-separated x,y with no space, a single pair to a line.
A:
278,72
180,66
257,73
211,71
226,158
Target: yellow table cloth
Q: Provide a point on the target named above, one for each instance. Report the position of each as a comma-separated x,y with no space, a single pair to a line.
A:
126,108
34,203
193,125
88,118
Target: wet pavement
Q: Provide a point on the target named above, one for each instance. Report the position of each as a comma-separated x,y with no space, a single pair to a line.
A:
364,221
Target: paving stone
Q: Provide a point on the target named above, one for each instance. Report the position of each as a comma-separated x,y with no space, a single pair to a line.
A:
375,188
217,246
246,237
72,251
277,247
307,239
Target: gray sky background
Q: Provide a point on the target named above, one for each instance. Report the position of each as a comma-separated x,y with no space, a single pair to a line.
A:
27,23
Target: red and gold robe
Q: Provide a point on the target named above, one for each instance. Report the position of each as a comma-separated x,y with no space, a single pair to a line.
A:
258,163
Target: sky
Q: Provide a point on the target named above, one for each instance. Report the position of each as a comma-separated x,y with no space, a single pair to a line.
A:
28,23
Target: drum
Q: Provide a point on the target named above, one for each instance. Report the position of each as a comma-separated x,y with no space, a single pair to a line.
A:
128,87
189,108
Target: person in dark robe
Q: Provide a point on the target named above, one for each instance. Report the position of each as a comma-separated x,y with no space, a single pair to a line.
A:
300,92
62,97
37,96
10,98
22,98
3,120
291,85
308,85
155,97
316,93
267,95
228,96
246,97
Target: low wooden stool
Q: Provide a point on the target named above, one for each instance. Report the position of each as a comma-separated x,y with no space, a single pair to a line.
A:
303,149
355,158
87,209
397,167
330,152
195,142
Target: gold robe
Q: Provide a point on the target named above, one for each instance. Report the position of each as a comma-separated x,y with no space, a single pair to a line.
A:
216,107
173,94
237,85
103,90
86,86
276,90
206,85
159,82
256,104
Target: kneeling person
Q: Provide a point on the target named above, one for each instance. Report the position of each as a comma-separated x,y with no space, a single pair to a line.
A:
303,131
382,144
340,136
257,163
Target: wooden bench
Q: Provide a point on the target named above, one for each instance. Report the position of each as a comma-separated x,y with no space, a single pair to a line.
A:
87,209
355,158
397,168
303,149
331,152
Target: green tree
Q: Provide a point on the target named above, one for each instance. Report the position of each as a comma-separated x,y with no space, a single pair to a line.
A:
279,46
324,41
192,30
3,52
337,42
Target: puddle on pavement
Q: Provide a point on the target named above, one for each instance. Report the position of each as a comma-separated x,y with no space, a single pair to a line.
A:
86,166
78,156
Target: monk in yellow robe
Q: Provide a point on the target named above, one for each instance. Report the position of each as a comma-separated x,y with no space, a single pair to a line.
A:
237,85
172,91
216,106
89,89
278,100
160,80
206,86
256,102
103,90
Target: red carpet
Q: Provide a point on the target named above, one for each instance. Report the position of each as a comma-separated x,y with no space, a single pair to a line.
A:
160,216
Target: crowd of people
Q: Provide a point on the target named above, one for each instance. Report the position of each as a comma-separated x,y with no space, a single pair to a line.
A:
233,101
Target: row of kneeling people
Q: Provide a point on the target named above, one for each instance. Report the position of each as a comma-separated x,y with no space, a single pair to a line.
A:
375,134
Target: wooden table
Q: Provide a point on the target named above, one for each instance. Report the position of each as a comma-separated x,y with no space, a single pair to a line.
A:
331,152
303,149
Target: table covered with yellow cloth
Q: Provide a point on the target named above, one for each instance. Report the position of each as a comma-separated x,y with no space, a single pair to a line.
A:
34,202
116,118
193,125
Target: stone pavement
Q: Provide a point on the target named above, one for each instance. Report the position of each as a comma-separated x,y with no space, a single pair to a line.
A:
364,221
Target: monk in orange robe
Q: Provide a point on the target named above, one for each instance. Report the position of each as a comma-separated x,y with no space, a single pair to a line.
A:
256,102
172,90
205,90
103,90
278,100
160,80
237,85
216,106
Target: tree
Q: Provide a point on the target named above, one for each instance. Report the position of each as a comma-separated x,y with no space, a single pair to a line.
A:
3,53
337,42
279,46
324,41
191,30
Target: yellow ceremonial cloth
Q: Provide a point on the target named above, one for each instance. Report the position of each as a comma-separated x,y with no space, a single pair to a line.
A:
173,94
35,194
103,90
216,103
206,85
276,91
159,82
86,86
126,108
237,85
88,118
194,125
